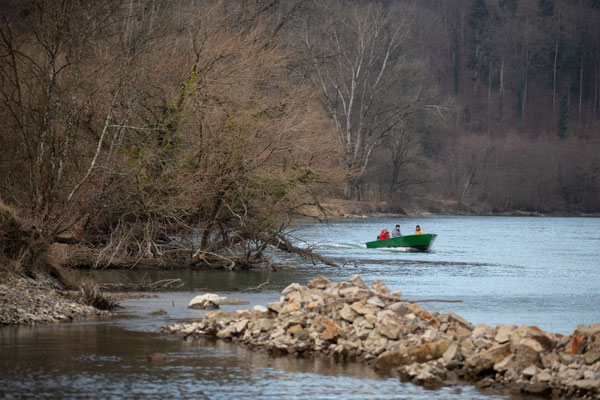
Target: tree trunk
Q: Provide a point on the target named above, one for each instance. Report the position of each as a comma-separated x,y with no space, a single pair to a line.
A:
554,73
580,85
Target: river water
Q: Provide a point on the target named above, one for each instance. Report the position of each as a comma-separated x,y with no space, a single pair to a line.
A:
506,270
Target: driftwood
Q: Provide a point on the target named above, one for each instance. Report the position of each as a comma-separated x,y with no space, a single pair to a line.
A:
143,286
258,288
284,244
434,300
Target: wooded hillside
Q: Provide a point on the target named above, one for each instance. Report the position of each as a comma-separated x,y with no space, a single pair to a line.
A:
148,127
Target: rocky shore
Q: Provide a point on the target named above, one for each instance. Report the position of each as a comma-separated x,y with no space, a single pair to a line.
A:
26,301
352,321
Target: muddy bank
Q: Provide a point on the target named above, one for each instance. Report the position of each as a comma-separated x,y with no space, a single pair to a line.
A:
352,321
27,301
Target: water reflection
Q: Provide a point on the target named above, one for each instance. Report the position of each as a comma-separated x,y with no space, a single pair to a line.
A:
104,361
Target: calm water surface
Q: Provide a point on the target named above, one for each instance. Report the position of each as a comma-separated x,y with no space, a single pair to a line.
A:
507,270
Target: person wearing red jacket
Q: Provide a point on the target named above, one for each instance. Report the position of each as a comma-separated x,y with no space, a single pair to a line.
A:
385,234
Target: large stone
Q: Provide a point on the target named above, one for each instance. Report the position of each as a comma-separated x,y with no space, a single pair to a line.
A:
451,352
380,289
312,295
467,348
291,306
406,355
591,357
530,371
357,281
294,329
485,360
353,292
530,332
592,385
427,317
320,282
483,331
265,324
375,343
276,307
227,332
549,359
212,301
206,301
452,317
415,308
332,329
534,344
575,346
505,364
400,308
526,356
292,287
231,301
375,301
240,326
542,376
503,333
347,313
388,324
360,307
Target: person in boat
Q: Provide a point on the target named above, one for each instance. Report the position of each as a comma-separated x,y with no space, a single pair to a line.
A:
418,230
385,234
396,231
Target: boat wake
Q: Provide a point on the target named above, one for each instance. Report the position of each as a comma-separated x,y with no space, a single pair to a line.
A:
340,245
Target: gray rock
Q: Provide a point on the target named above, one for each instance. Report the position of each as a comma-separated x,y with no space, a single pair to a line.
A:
320,282
503,333
505,364
587,374
530,371
483,331
347,313
400,308
486,360
592,385
376,301
591,357
276,307
293,287
451,352
357,281
380,289
543,376
460,320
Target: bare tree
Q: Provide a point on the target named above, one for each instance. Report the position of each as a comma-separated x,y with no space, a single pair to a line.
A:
355,58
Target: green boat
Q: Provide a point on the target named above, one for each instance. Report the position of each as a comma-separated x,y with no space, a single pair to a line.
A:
414,242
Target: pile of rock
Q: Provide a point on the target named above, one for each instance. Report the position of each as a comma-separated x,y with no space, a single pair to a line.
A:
352,321
26,301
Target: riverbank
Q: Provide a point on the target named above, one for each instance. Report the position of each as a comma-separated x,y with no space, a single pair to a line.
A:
24,301
342,208
352,321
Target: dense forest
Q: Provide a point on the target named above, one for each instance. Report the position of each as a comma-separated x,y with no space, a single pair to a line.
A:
517,83
144,127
